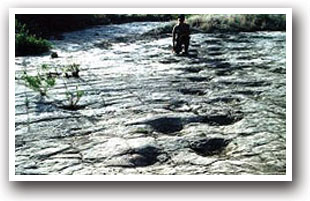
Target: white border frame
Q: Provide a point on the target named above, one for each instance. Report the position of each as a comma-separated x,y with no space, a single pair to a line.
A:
287,177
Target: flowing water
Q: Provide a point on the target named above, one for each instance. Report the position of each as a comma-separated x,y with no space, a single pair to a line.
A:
219,110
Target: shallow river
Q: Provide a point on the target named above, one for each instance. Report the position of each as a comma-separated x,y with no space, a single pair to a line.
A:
220,110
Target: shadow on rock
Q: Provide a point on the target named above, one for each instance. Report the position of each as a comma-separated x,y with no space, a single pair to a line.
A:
144,156
208,147
189,91
221,119
139,157
166,125
193,69
228,99
172,125
199,79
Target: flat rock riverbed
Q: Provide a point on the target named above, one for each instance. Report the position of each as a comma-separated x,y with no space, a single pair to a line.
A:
219,110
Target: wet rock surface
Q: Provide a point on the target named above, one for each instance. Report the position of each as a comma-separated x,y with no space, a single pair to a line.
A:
219,110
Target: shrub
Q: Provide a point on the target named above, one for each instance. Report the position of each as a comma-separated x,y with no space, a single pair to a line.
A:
27,44
73,97
41,82
72,70
238,23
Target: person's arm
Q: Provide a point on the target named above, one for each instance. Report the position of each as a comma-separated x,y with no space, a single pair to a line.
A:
173,36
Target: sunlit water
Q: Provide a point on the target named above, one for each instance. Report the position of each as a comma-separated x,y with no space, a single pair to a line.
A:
240,76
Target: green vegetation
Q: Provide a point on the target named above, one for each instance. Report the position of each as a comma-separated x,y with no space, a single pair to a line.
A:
238,23
40,83
72,70
216,23
45,79
73,97
28,44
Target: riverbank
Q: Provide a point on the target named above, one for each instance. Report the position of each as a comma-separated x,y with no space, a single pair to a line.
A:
238,23
225,24
32,30
45,25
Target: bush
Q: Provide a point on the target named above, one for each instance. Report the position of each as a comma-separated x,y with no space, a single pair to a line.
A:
225,23
39,83
238,23
44,80
27,44
73,97
72,70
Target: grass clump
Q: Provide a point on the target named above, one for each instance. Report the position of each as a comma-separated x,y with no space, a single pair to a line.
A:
28,44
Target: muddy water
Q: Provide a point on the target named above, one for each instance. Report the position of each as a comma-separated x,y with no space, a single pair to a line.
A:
220,110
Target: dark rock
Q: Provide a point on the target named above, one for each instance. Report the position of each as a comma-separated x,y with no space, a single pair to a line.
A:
54,55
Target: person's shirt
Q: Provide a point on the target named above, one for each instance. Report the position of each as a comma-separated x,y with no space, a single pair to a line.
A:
180,30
